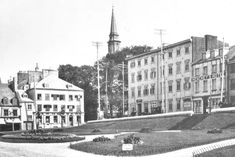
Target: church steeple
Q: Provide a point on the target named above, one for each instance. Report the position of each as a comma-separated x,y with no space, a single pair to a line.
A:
113,43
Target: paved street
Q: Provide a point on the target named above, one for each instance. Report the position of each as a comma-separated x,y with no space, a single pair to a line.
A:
63,150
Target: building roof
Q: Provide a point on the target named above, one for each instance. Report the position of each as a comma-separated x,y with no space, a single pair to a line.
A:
55,83
113,29
21,96
5,91
159,49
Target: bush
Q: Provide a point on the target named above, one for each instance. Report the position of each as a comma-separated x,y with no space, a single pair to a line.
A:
145,130
101,139
214,131
96,130
131,139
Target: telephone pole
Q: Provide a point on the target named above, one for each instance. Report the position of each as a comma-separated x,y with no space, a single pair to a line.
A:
97,45
160,32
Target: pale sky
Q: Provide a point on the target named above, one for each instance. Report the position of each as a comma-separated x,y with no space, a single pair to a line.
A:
56,32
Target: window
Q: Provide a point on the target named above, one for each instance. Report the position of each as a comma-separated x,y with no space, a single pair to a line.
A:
62,97
160,88
54,96
178,67
232,68
152,89
152,59
47,96
146,107
178,52
146,90
132,92
132,64
197,87
14,101
5,100
186,67
205,86
153,73
197,72
63,119
5,111
14,112
29,106
139,76
170,69
70,97
47,107
39,96
205,70
47,119
55,119
62,107
178,82
213,84
39,107
55,108
146,61
169,54
29,118
146,74
170,88
139,62
232,84
186,83
132,77
214,68
70,107
139,91
186,50
170,105
77,97
178,105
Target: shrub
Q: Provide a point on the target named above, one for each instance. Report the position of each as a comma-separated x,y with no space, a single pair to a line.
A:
131,139
145,130
214,131
101,139
96,130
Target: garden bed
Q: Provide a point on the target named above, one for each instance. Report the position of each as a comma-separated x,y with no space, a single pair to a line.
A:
153,143
40,136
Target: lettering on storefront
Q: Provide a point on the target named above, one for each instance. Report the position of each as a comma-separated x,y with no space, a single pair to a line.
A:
205,77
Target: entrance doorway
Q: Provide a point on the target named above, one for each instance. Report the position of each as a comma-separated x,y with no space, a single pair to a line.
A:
71,120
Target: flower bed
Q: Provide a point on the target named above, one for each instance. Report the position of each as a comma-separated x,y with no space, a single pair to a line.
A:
41,137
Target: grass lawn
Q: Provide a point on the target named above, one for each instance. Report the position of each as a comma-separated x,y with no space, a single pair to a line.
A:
154,142
223,152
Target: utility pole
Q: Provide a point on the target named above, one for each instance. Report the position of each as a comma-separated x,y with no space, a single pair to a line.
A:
160,32
222,80
123,86
97,44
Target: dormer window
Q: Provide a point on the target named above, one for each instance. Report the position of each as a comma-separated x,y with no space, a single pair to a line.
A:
14,101
45,85
69,86
5,100
24,95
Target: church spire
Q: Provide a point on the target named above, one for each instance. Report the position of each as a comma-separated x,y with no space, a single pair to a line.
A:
113,43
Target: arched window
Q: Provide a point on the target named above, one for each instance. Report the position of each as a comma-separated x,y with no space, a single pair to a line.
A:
14,101
5,100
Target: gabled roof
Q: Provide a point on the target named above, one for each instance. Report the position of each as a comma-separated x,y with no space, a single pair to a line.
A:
55,83
21,98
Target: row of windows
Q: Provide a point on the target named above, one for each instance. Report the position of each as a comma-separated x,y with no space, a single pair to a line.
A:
146,91
54,119
7,112
205,85
60,97
186,85
6,101
152,75
170,104
152,60
146,61
205,70
54,108
178,68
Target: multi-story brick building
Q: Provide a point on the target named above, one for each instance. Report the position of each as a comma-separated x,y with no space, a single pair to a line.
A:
171,89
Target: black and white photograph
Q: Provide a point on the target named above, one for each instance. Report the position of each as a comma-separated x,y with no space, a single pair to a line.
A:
93,78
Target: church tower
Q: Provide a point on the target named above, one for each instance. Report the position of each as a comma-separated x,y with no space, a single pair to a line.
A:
113,43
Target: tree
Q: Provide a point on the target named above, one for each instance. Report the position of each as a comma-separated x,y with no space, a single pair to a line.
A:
82,77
